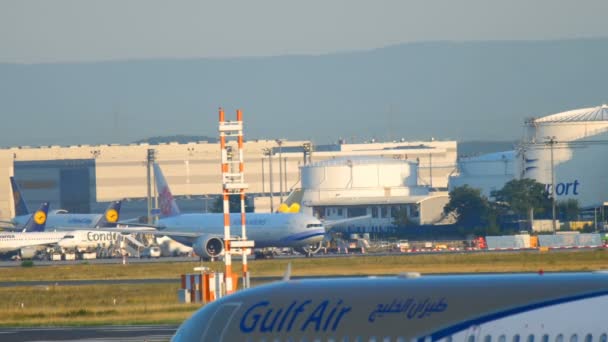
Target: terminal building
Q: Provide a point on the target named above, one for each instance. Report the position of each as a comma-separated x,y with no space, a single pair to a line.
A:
569,146
84,178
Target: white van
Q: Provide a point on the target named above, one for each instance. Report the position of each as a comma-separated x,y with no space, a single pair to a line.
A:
150,252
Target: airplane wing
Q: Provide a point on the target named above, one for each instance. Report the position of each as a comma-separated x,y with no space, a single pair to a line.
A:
134,223
330,224
153,231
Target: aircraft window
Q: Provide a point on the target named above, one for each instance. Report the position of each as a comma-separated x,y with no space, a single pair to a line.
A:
545,338
588,338
603,338
530,338
559,338
471,338
516,338
488,338
68,237
574,338
314,225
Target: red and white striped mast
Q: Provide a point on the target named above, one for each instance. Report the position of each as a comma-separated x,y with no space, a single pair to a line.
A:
233,183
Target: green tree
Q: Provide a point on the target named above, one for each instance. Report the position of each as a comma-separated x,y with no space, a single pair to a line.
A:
472,209
567,210
523,196
400,217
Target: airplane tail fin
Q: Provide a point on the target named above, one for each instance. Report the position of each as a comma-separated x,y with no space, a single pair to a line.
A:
20,206
168,206
37,221
292,203
110,216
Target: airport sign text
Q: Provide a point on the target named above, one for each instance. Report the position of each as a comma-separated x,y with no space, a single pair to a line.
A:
565,189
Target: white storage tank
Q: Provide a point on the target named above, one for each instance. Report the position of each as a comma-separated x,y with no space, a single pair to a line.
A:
352,173
572,146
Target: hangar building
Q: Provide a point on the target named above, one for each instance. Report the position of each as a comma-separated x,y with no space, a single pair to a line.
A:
84,178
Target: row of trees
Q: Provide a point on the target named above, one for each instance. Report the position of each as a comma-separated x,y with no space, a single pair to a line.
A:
518,199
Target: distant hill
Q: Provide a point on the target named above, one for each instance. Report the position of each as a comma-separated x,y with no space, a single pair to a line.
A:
448,90
182,139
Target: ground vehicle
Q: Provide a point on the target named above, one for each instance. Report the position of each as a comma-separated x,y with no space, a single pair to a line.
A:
403,245
150,252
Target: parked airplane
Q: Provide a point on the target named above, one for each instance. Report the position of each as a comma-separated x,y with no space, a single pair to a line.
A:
33,237
205,232
60,219
516,307
89,240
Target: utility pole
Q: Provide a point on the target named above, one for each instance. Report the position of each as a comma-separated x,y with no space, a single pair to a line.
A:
431,170
151,158
280,143
551,142
268,152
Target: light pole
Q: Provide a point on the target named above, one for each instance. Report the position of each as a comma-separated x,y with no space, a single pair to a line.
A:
151,158
268,152
307,147
551,141
280,143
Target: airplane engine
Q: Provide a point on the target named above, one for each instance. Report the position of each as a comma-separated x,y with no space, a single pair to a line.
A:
208,247
28,252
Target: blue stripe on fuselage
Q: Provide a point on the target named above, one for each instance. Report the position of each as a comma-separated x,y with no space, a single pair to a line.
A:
509,312
304,235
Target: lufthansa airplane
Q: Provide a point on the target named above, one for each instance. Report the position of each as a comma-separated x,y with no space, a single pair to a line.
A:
61,219
205,232
32,238
409,308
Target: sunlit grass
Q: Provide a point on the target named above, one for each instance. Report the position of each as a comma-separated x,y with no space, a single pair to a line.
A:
92,304
427,263
157,303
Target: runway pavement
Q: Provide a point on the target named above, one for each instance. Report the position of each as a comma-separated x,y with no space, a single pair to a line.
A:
15,263
102,333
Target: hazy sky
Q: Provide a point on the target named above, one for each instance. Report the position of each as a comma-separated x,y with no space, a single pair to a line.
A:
81,30
69,98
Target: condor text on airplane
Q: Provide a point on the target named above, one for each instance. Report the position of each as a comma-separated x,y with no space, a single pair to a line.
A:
205,232
469,308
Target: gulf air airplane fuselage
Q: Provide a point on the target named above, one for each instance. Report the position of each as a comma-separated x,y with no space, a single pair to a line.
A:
477,308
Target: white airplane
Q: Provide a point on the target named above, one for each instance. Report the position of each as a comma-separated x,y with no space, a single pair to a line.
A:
61,219
205,232
470,308
82,240
33,237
